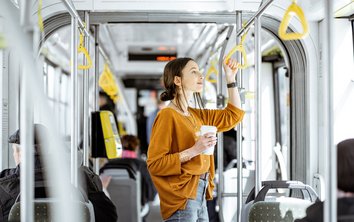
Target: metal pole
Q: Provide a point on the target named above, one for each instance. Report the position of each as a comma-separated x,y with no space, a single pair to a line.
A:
25,19
258,108
221,60
220,165
131,126
239,128
261,9
56,176
330,205
97,69
27,156
201,37
74,127
220,148
96,87
71,9
86,100
26,130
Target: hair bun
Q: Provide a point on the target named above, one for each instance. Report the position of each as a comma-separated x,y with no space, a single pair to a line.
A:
166,95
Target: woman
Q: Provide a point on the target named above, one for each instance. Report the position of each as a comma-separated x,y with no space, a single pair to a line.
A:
182,175
130,144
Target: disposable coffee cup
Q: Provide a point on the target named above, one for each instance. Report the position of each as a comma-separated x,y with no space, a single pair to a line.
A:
208,129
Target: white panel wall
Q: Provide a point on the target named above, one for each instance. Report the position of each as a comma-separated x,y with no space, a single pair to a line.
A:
267,118
343,81
268,123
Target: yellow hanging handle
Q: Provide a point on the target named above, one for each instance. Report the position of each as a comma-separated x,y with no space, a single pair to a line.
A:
242,50
40,18
108,83
83,50
293,10
210,71
2,41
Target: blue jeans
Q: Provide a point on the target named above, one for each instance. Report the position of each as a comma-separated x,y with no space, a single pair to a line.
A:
196,210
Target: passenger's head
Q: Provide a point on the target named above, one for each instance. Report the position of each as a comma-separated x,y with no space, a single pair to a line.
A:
39,135
130,142
345,165
181,76
105,102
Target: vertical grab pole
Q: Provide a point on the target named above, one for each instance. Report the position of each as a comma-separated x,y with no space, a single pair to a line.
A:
239,126
220,147
26,123
27,157
74,79
330,205
86,98
96,87
25,12
258,107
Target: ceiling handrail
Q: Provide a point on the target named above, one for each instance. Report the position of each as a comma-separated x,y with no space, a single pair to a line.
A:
72,11
260,11
293,10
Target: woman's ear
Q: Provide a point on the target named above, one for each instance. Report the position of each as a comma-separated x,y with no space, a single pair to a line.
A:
178,81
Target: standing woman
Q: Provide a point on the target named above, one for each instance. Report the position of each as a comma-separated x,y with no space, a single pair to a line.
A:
182,175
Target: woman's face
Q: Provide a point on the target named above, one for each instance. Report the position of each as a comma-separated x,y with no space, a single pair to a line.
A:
192,79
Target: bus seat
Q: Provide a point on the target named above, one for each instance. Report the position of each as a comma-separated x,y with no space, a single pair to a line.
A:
42,211
124,190
286,210
278,206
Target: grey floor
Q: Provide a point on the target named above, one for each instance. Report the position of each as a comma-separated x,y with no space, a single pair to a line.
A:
154,213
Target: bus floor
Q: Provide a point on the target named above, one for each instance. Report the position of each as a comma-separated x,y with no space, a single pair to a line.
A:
154,211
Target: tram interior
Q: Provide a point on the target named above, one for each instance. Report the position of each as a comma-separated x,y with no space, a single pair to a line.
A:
138,39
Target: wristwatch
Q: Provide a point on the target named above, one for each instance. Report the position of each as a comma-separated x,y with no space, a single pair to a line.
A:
232,85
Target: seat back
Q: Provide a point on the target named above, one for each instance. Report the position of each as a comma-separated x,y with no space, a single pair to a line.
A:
124,190
43,208
345,218
278,206
286,210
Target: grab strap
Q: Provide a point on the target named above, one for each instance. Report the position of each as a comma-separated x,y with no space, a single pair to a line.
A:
210,71
83,50
293,10
242,50
40,18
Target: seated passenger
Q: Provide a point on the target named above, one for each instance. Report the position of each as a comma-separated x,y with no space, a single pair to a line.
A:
345,182
10,178
104,209
130,146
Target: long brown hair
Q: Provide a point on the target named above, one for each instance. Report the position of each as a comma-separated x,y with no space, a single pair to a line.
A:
172,69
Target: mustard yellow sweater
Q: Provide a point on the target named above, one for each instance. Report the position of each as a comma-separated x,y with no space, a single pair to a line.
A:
173,133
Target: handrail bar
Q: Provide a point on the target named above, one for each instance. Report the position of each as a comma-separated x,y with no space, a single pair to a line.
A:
72,11
251,20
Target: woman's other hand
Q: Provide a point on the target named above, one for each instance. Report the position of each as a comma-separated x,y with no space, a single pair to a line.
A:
231,68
